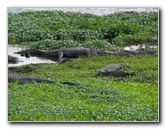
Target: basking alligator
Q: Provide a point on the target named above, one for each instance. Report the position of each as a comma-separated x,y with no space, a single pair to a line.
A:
59,54
112,70
65,54
13,60
21,79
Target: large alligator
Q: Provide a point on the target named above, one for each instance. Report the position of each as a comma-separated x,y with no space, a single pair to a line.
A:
112,70
21,79
65,54
61,54
13,60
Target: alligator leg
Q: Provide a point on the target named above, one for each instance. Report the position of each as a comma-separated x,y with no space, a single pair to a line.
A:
60,56
27,54
61,59
88,53
93,53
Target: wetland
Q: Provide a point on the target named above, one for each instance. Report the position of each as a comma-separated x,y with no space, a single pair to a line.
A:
95,98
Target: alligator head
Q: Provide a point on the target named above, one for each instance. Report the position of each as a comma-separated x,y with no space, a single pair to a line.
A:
29,52
13,60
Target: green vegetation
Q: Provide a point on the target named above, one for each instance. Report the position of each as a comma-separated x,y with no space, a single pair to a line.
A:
55,29
95,98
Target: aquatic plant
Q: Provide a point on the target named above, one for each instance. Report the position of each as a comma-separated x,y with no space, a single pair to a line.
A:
95,98
120,29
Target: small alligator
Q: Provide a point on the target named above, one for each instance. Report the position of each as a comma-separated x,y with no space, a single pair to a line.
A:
13,60
112,70
59,54
21,79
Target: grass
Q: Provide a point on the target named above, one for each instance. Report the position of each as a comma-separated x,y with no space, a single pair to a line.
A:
95,98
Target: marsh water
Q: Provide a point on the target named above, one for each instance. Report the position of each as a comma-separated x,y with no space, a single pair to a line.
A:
144,45
31,60
96,11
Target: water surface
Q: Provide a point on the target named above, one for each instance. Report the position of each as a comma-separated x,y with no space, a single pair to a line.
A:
96,11
144,45
33,60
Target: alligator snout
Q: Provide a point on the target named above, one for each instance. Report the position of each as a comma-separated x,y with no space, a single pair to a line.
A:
13,60
26,54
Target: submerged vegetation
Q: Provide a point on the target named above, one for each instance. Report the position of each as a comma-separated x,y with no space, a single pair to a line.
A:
95,98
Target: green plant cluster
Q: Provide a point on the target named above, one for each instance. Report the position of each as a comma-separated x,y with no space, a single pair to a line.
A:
45,102
49,44
95,98
123,28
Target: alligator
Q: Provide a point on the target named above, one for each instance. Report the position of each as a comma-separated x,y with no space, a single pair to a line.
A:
66,54
112,70
13,60
61,54
22,79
